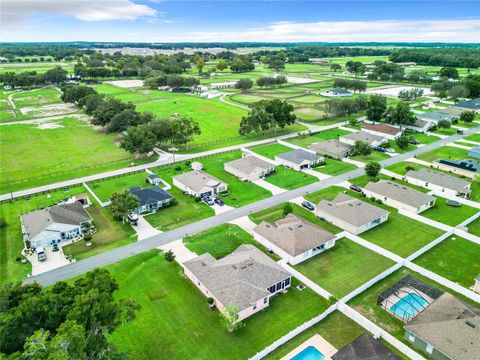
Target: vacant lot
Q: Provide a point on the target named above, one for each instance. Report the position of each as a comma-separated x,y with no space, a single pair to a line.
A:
448,152
449,215
306,140
37,97
343,268
271,150
455,258
104,189
289,179
335,167
175,316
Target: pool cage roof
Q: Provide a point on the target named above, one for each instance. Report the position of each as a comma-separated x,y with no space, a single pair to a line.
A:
408,285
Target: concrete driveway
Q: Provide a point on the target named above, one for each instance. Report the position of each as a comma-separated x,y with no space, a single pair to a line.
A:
54,260
270,187
182,253
221,209
144,229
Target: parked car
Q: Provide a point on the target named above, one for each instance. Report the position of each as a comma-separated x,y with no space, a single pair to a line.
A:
133,218
208,200
459,131
380,149
55,247
308,205
389,150
41,254
414,142
219,202
355,188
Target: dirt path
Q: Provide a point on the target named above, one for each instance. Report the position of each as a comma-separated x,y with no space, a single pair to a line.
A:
83,117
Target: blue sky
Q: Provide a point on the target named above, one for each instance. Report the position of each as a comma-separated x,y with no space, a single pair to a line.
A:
273,21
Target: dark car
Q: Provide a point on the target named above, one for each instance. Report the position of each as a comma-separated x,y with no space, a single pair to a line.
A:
414,142
55,248
308,205
355,188
379,148
208,200
219,202
459,131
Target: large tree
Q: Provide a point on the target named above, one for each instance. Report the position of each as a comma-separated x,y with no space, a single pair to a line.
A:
244,84
139,140
372,169
377,104
183,129
400,115
199,62
121,204
108,109
267,115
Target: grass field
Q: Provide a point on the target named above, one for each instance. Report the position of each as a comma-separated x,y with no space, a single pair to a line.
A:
276,213
335,167
218,241
455,258
374,156
39,67
175,316
289,179
37,97
306,140
448,152
104,189
473,137
474,227
343,268
40,155
449,215
271,150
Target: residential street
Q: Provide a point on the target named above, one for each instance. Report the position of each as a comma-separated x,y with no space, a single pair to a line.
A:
121,253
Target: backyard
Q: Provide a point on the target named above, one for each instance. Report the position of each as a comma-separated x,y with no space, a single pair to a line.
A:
289,179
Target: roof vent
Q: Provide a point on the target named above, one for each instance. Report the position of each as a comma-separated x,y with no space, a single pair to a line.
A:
234,266
472,325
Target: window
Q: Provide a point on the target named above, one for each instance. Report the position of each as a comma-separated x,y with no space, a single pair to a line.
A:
272,289
411,337
254,306
265,300
287,282
429,348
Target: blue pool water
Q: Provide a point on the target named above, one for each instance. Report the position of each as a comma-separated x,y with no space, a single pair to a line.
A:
409,306
309,353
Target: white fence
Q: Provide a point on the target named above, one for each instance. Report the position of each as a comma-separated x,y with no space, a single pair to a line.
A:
429,246
378,331
425,220
290,145
293,333
467,236
318,289
252,153
102,204
443,281
373,247
470,219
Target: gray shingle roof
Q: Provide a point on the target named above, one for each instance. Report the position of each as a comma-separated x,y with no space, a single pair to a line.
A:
451,326
238,279
440,179
198,179
153,176
297,156
435,116
363,136
37,221
330,147
151,195
464,164
351,210
398,192
293,234
471,104
248,164
365,347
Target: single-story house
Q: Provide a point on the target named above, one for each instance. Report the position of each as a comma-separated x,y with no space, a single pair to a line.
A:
199,183
153,179
152,198
399,196
476,287
224,85
435,116
474,152
202,88
336,92
406,63
452,110
440,182
465,167
365,347
420,125
244,279
249,168
299,159
332,148
447,329
351,214
53,225
388,131
370,139
210,94
470,105
294,238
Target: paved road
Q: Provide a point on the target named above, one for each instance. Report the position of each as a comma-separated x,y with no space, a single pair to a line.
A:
163,160
115,255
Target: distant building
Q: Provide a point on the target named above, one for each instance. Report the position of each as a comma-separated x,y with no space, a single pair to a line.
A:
365,347
439,182
363,136
299,159
332,148
473,105
399,196
351,214
474,152
224,85
244,280
294,238
153,179
421,125
249,168
407,63
435,116
452,110
387,131
151,199
465,167
199,183
336,92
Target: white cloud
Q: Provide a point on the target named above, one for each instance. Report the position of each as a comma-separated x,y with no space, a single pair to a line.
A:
467,30
16,12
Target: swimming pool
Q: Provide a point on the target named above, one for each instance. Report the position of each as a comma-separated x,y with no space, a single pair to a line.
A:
409,306
309,353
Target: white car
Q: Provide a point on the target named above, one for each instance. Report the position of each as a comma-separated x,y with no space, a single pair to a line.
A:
41,254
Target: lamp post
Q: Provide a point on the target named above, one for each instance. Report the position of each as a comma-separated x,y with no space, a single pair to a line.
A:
173,149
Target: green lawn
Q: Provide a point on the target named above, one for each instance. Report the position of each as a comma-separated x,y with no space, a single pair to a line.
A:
271,150
11,241
345,267
455,258
110,234
289,179
473,137
218,241
307,139
39,67
39,156
104,189
335,167
449,215
399,234
175,318
37,97
276,213
449,152
474,227
374,156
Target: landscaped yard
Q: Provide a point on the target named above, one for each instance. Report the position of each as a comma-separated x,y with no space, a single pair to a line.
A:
306,140
343,268
219,241
374,156
276,213
104,189
175,319
455,258
473,137
474,227
335,167
289,179
448,152
271,150
449,215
